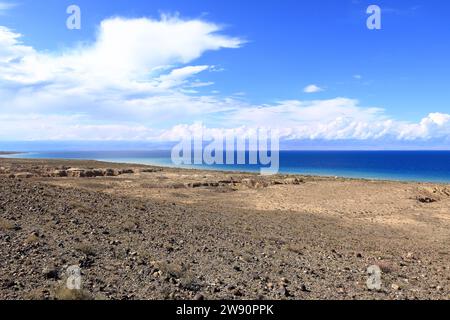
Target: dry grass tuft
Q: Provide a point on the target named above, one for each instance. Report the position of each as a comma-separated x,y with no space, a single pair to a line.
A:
6,225
79,207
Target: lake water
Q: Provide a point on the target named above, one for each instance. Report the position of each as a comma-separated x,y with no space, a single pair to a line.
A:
426,166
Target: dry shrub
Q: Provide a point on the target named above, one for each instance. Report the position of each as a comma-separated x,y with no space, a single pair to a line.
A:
173,270
85,248
32,239
189,282
65,294
128,226
35,294
386,267
6,225
294,248
181,272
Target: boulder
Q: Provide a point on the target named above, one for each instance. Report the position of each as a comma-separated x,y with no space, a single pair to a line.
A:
23,175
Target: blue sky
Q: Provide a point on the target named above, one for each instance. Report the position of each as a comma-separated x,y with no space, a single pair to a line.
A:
371,84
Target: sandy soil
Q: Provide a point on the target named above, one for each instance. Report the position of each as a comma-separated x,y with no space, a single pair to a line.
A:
141,232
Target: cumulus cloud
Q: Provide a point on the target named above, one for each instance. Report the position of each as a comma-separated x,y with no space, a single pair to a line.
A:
334,119
127,54
312,88
138,81
135,69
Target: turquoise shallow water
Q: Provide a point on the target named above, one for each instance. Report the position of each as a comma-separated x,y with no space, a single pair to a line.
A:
424,166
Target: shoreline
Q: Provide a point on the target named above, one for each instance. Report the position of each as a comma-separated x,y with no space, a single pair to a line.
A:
231,171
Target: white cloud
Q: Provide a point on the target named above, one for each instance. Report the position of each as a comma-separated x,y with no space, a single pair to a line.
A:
72,127
312,88
180,76
137,69
138,81
334,119
339,118
127,53
433,128
435,125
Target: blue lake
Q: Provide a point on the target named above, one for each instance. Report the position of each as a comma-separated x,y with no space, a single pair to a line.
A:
427,166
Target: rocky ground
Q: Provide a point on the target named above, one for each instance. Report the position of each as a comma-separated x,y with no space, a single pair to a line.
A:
140,232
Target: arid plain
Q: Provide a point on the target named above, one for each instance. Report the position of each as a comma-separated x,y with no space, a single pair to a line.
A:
142,232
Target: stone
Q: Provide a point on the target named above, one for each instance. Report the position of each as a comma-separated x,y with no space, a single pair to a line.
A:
199,297
24,175
59,173
304,288
283,291
50,273
410,255
238,293
395,287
